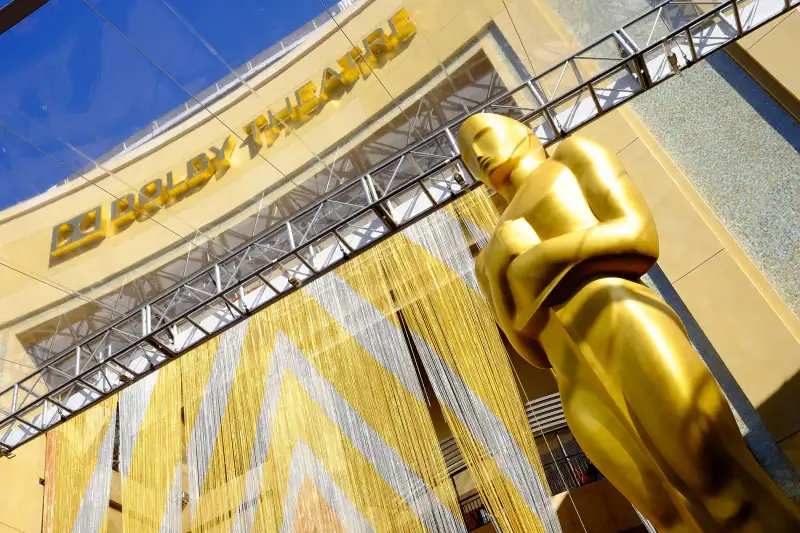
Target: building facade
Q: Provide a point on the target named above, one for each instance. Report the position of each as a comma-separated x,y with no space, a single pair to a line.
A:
714,150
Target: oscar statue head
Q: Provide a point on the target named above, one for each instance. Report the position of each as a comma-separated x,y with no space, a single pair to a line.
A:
499,151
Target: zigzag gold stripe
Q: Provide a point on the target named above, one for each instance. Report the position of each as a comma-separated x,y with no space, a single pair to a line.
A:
196,368
233,450
388,429
401,487
80,471
300,419
430,270
149,479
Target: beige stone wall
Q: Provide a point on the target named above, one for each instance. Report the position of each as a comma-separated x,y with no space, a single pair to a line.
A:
21,501
770,55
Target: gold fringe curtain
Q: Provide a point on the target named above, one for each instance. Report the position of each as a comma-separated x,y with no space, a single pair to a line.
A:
431,271
208,504
150,453
78,471
311,417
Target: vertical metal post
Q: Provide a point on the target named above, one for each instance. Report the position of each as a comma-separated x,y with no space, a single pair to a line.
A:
737,18
145,325
452,141
542,101
624,42
240,292
290,233
78,360
630,46
576,70
538,93
217,278
385,210
372,194
14,398
644,74
596,100
692,48
173,329
365,186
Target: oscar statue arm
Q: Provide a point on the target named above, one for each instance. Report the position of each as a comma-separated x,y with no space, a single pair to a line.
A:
625,231
510,239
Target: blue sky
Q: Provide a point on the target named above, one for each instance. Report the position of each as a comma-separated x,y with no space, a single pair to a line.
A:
67,76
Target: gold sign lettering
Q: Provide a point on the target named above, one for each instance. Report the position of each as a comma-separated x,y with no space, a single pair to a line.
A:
73,235
81,231
92,226
357,63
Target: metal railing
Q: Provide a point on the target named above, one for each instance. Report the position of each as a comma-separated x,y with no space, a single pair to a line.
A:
595,80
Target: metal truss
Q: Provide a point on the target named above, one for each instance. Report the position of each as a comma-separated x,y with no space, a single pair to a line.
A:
354,216
478,82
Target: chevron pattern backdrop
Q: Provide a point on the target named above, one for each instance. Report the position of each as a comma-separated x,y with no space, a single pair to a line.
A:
312,416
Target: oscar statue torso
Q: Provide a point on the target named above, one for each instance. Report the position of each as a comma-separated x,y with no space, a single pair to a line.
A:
561,274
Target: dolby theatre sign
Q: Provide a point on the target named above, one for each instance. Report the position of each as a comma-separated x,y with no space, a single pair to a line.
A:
70,237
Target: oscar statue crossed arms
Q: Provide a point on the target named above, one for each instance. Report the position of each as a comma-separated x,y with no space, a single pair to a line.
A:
561,272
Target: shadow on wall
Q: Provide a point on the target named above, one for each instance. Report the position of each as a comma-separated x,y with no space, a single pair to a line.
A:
759,439
757,97
783,404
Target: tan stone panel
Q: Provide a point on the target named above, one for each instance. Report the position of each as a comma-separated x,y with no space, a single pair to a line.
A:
543,35
14,361
756,346
684,237
8,529
749,40
12,297
115,494
114,521
777,53
611,130
21,504
779,307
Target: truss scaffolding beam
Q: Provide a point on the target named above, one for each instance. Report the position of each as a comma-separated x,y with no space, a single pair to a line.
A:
343,223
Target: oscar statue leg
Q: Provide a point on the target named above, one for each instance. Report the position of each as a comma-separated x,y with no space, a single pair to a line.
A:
637,345
601,424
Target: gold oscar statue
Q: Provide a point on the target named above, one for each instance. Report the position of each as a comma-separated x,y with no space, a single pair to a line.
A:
561,273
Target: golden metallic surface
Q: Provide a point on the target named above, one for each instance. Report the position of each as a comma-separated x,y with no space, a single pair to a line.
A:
561,272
